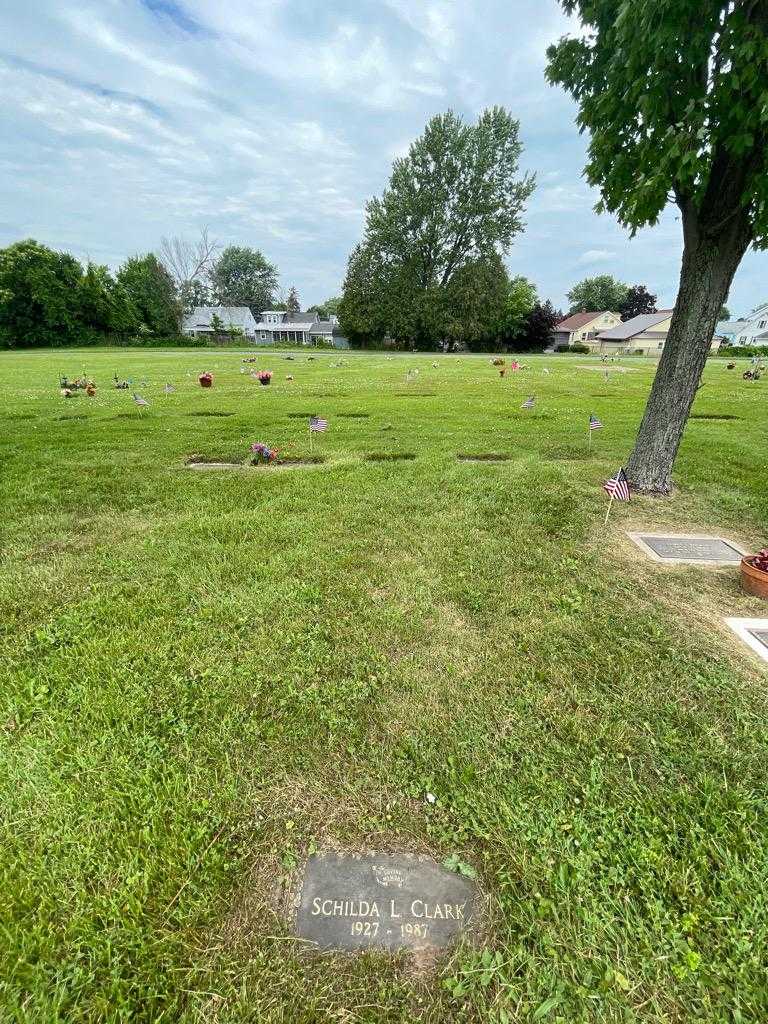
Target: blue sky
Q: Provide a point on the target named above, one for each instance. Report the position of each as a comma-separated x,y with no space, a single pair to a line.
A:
272,122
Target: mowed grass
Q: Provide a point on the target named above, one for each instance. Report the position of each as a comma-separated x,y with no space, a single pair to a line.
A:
207,675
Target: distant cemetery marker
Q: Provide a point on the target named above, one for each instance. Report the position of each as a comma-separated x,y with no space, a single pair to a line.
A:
754,633
382,902
690,548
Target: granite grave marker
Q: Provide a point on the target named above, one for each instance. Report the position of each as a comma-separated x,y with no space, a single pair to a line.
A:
382,902
705,550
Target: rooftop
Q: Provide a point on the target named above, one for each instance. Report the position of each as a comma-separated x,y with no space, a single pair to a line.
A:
577,320
637,325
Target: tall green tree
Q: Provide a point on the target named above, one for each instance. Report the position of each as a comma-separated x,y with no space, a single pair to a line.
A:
538,328
595,294
638,301
292,304
674,96
476,300
152,293
328,308
520,299
455,201
40,293
243,277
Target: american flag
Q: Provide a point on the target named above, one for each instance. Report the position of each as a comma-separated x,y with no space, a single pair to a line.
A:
139,400
528,403
618,486
594,423
316,424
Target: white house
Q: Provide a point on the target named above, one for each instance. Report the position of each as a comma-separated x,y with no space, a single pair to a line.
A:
200,321
752,330
276,325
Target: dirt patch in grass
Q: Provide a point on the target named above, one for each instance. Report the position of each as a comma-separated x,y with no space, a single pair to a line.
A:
306,460
207,413
713,416
203,462
199,463
354,415
568,453
389,456
301,415
32,416
486,457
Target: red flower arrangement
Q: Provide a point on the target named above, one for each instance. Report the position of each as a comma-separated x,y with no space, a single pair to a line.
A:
264,376
206,380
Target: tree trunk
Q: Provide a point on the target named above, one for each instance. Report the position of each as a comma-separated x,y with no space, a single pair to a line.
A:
709,263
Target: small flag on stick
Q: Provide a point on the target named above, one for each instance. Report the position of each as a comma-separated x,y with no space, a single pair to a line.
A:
594,423
140,402
617,488
529,402
169,389
316,426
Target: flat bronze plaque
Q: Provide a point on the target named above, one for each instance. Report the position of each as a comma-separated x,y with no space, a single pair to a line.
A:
382,902
761,635
688,548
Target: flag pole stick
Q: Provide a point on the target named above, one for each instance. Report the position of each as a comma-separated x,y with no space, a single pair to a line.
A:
310,437
608,511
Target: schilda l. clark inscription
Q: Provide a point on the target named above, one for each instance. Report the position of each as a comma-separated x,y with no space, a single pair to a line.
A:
381,902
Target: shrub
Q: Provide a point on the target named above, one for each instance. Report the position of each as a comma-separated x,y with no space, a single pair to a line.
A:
581,349
742,350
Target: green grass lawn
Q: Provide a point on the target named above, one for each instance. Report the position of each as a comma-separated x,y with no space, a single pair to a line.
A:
207,675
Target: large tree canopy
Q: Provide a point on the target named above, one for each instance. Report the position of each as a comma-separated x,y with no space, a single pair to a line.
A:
242,277
595,294
152,293
638,301
40,293
453,206
675,98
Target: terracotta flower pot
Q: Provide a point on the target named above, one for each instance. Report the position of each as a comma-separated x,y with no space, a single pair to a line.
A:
753,580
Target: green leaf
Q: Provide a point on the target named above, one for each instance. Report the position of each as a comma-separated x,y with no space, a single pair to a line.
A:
548,1005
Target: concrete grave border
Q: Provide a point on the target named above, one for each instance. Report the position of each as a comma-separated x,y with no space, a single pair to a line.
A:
638,538
743,630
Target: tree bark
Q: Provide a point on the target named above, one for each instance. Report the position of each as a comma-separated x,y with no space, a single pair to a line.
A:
710,260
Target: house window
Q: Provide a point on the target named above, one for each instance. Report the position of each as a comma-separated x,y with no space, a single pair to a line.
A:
743,338
263,335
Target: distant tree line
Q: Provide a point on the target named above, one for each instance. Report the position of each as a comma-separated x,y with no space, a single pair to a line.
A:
48,298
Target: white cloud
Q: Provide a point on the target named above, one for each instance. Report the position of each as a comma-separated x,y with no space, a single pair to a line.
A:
273,121
595,256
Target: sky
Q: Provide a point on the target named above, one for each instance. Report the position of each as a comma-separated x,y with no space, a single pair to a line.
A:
272,122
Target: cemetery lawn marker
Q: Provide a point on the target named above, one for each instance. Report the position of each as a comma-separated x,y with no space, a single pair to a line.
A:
688,548
382,902
754,633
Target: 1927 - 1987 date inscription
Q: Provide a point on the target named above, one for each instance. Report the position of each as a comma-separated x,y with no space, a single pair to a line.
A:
386,902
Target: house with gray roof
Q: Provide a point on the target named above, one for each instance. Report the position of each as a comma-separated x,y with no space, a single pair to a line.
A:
643,335
211,320
276,326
